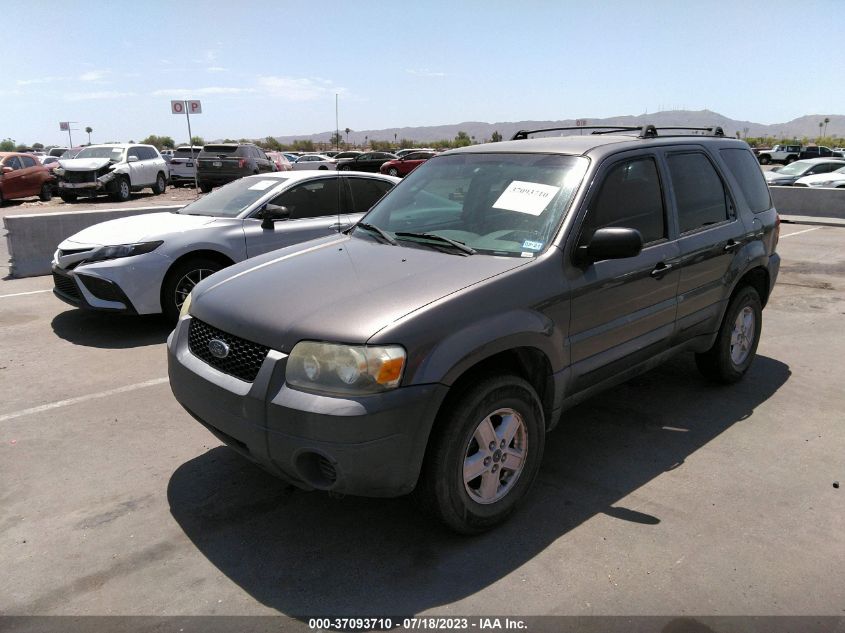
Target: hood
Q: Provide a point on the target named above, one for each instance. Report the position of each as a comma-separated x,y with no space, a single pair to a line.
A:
138,228
342,289
83,164
774,175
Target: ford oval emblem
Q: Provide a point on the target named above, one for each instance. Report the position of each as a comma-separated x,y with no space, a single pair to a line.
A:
218,348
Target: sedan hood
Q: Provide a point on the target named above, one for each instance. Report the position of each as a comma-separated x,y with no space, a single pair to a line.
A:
83,164
138,228
806,180
342,289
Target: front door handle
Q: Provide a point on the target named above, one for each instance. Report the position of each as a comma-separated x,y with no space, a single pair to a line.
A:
337,227
661,269
732,246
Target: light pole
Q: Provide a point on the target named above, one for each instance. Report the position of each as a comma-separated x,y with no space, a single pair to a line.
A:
336,125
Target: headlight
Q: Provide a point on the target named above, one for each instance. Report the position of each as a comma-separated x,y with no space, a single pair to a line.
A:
826,183
123,250
59,171
185,310
345,369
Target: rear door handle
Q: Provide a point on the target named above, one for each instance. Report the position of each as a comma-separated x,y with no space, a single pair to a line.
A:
732,246
661,269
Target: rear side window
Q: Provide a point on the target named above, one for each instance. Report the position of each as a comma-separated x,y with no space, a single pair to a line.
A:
14,162
699,192
630,197
747,172
366,192
28,161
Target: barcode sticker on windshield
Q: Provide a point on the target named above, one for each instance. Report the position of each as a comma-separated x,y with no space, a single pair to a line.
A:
526,197
261,185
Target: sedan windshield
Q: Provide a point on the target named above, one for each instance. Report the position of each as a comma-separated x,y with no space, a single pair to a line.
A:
112,153
496,204
233,199
795,169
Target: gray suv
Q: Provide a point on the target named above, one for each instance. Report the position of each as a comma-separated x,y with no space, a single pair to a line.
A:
434,344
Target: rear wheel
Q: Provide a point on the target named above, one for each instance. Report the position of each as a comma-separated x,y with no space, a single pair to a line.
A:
46,193
392,172
67,197
205,187
790,160
765,159
736,343
181,279
160,184
484,454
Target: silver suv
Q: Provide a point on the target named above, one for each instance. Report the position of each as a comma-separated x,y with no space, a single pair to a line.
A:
115,169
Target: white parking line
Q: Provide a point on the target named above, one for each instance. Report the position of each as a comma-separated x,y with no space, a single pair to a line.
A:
21,294
77,400
815,228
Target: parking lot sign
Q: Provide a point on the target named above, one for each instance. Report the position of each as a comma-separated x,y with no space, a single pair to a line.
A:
64,126
187,107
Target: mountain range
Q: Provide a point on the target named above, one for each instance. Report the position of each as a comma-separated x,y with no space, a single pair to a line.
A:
807,125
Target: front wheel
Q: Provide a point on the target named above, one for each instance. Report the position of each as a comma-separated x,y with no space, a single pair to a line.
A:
160,184
392,172
484,453
736,343
123,190
67,197
46,193
181,280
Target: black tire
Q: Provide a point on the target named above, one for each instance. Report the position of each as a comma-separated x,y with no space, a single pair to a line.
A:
322,168
160,184
171,303
790,160
2,199
205,188
122,189
453,443
718,363
393,172
46,193
69,198
765,159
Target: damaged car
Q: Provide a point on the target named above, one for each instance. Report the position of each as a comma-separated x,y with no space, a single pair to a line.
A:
116,170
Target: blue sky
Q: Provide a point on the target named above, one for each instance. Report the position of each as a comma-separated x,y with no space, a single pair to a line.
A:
273,68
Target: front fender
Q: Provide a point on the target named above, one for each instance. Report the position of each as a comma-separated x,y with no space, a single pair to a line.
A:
455,354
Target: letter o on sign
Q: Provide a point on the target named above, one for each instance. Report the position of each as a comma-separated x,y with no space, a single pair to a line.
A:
177,107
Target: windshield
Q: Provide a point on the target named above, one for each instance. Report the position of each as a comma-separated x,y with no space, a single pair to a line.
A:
112,153
794,169
497,204
233,199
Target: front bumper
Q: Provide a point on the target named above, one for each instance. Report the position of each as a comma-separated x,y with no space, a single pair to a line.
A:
90,292
369,446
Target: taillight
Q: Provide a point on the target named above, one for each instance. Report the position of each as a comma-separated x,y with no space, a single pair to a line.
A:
242,163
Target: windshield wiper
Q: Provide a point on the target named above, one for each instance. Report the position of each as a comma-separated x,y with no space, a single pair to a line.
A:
439,238
371,227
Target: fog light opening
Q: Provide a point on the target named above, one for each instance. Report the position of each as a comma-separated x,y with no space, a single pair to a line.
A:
316,470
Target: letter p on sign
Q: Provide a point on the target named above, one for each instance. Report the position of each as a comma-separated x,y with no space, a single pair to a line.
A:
194,107
178,107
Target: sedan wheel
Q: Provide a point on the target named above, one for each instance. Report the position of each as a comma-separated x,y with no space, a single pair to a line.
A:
393,171
181,280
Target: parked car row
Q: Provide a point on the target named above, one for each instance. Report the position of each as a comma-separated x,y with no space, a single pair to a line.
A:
789,153
433,343
798,171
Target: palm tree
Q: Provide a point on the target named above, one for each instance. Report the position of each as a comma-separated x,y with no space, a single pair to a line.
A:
347,137
826,121
89,130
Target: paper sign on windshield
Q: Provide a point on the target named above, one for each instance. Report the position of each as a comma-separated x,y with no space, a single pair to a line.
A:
261,185
526,197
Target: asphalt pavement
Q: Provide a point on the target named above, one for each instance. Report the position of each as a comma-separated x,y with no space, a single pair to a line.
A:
665,496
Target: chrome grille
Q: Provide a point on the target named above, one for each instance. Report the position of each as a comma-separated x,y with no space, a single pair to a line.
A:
243,360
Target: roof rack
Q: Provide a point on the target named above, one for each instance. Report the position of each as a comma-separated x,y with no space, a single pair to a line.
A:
645,131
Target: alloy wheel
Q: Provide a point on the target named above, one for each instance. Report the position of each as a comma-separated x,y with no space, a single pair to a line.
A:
187,282
495,456
742,335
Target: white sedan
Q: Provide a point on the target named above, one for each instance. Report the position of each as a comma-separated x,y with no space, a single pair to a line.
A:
314,161
147,264
831,180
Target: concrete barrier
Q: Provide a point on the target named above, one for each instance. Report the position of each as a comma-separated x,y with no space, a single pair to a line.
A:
809,202
32,239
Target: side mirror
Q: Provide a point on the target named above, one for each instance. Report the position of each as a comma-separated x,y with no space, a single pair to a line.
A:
133,159
271,214
610,243
6,170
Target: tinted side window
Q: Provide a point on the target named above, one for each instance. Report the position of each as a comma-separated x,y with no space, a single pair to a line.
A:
366,192
28,161
311,200
630,196
745,169
699,192
13,162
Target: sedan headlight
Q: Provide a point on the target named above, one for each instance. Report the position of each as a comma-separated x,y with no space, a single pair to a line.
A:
826,183
345,369
59,171
122,250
